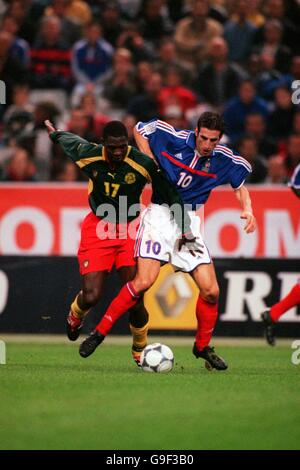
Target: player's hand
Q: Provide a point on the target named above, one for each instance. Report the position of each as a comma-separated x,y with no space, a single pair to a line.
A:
50,126
192,245
250,225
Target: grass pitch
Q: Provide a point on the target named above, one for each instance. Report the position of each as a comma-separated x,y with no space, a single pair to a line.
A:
51,398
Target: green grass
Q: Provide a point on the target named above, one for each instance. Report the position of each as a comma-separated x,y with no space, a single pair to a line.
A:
50,398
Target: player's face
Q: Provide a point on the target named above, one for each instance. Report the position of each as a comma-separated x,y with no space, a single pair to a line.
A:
116,148
206,140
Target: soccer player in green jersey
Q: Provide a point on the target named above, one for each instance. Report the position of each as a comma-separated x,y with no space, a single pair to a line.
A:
117,174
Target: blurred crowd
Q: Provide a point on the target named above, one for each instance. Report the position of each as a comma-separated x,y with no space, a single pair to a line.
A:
82,63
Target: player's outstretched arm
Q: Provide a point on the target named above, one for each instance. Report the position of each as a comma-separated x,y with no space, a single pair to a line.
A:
73,145
244,199
142,143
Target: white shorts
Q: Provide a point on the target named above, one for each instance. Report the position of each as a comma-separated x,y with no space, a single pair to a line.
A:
158,235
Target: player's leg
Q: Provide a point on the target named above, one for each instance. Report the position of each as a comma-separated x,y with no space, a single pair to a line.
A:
207,313
129,295
92,286
150,254
127,298
138,317
271,316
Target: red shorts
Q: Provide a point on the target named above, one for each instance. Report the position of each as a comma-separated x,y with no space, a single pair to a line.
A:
97,254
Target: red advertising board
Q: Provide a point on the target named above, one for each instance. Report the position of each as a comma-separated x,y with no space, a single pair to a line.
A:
44,219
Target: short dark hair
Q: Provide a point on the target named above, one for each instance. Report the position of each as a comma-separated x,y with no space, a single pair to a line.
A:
212,121
114,129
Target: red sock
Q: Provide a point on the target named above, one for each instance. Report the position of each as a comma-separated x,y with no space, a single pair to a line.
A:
207,315
126,299
289,301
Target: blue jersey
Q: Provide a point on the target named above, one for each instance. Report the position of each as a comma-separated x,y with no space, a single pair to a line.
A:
295,179
194,176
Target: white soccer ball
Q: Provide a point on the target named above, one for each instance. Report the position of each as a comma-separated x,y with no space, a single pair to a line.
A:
157,357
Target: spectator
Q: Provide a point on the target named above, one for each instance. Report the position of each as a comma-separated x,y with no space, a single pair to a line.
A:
144,107
292,158
237,109
96,120
167,56
194,33
20,167
276,170
254,15
281,118
111,22
129,122
50,57
76,11
239,33
174,92
130,8
255,127
71,29
275,9
144,70
272,46
218,79
19,48
119,87
247,147
65,171
153,24
132,39
269,79
91,58
296,123
174,116
12,71
20,101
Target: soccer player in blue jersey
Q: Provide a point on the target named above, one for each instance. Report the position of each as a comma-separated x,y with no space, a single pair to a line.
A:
271,316
196,163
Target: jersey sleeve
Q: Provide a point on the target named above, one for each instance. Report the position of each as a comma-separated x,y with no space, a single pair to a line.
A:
239,171
169,195
147,129
74,146
295,179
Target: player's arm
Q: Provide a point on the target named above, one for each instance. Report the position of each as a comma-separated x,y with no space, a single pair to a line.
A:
73,145
142,142
244,199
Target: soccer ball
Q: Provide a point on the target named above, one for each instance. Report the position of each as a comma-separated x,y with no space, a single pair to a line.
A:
157,357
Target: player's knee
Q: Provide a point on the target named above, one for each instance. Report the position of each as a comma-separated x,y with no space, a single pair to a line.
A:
143,284
91,296
211,294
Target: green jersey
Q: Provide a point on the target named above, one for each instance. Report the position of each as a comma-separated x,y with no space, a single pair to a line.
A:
127,179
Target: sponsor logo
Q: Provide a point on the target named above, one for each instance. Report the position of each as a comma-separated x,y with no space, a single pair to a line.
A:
130,178
206,166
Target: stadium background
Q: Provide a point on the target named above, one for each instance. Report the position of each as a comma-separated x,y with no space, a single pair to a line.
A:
82,63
